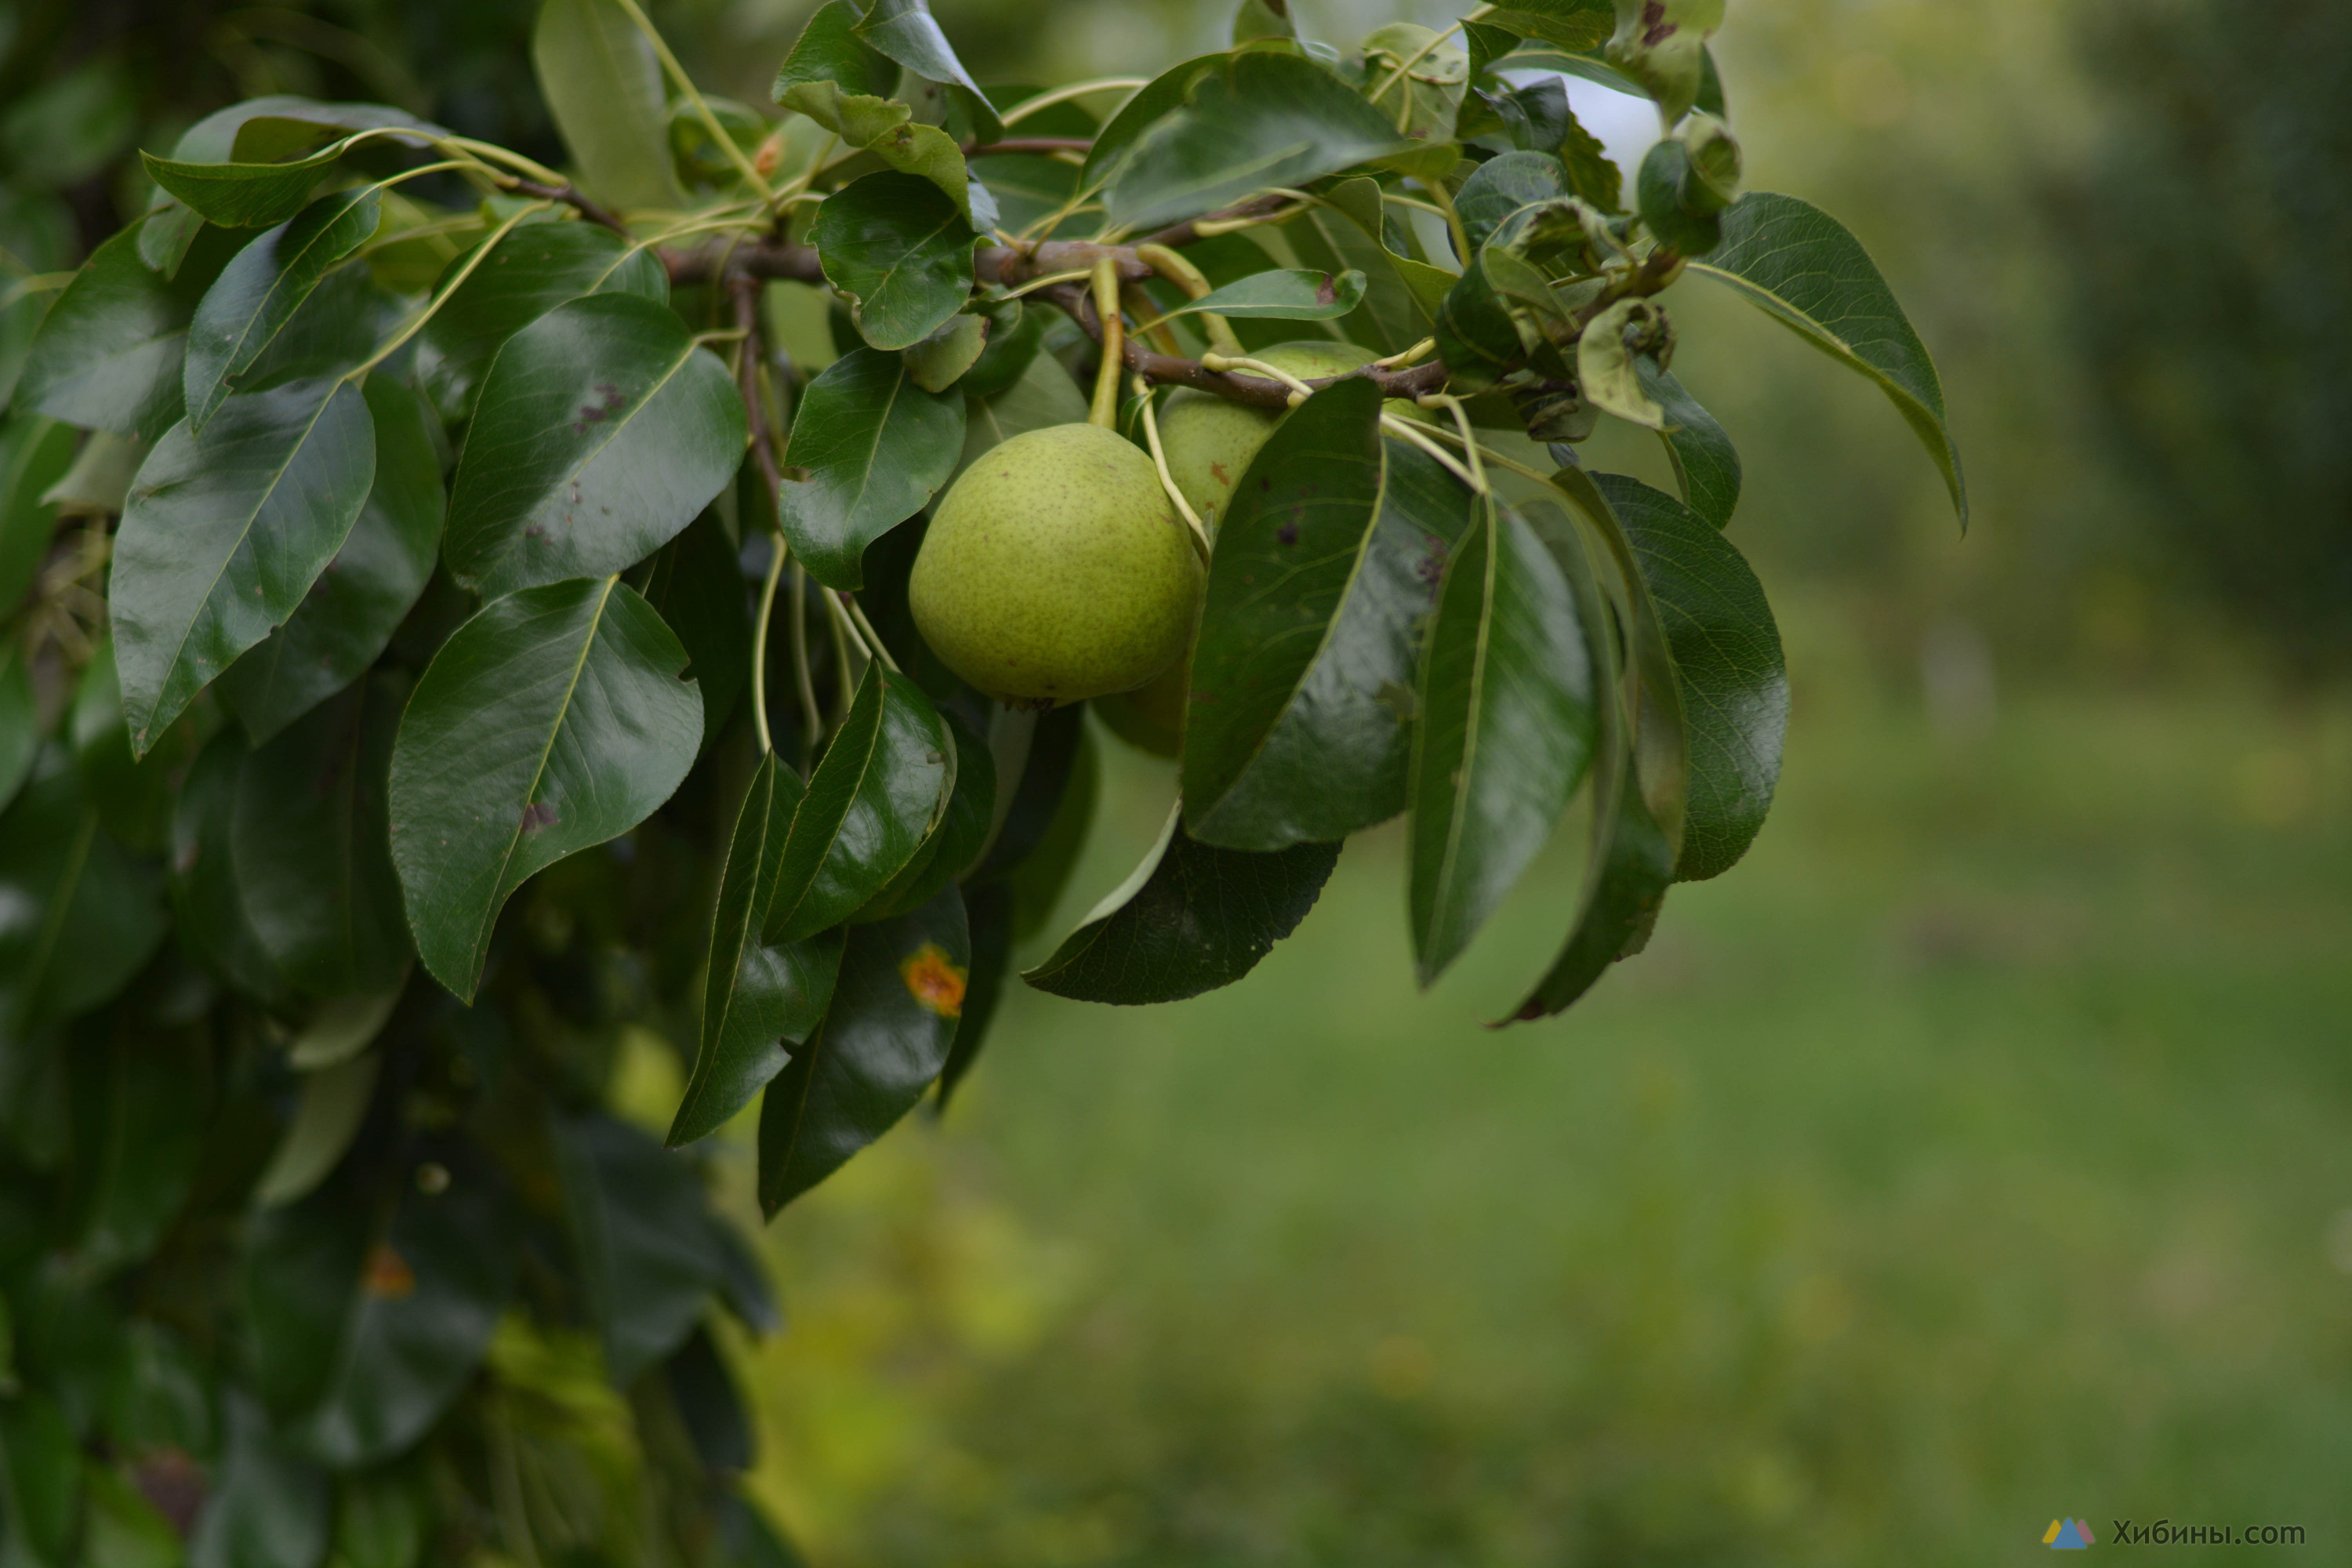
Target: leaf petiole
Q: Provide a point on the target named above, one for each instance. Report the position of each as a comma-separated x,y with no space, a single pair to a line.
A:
417,323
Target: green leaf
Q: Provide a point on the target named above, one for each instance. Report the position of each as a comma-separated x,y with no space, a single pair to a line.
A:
1161,96
883,127
140,1106
899,252
1631,866
208,906
1044,394
956,838
1658,194
1253,120
299,1287
429,1293
642,1236
380,1522
1501,186
829,50
872,800
1662,44
121,1528
77,917
1706,465
1569,24
1733,677
1506,733
601,430
1607,361
225,534
1036,777
43,1468
875,447
1310,738
756,999
1344,234
24,304
266,1508
696,585
906,31
1190,918
35,453
536,268
1800,267
327,1118
244,195
108,354
342,1028
940,360
1294,294
883,1040
260,289
1028,187
348,618
1478,335
553,721
312,849
1288,552
601,81
1263,19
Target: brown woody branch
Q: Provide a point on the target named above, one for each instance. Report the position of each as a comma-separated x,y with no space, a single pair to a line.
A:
1078,302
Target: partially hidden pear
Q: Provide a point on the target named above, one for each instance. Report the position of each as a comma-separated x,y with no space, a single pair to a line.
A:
1056,568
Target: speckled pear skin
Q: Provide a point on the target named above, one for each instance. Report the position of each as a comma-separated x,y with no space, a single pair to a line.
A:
1209,441
1056,569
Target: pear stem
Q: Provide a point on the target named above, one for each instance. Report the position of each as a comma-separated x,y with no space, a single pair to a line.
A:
1453,404
1159,461
811,714
1173,266
1405,430
760,643
872,638
1105,411
1299,391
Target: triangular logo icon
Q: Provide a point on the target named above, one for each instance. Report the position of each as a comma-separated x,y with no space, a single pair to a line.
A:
2066,1535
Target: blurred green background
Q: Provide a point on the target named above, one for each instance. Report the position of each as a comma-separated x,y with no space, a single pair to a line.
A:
1976,1153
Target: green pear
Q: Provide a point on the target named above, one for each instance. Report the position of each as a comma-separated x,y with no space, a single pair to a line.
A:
1057,568
1209,441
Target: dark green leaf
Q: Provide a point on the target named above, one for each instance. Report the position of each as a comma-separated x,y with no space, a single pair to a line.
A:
262,287
1501,186
1263,19
603,85
553,721
1732,675
940,360
80,916
880,789
1662,44
882,1042
244,195
108,354
536,268
312,850
1476,335
1633,864
899,251
35,453
988,911
326,1119
348,618
133,796
1657,194
207,905
1255,120
380,1521
708,1405
1506,733
430,1291
1037,775
599,432
1800,267
1191,918
756,999
875,447
1288,550
300,1289
697,584
1298,294
1043,395
140,1106
43,1468
829,50
1028,187
906,31
1333,751
20,725
956,838
266,1508
642,1234
24,305
225,534
1706,465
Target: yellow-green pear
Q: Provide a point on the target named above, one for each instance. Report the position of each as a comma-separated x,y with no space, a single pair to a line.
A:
1209,441
1056,568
